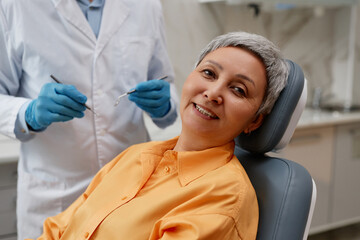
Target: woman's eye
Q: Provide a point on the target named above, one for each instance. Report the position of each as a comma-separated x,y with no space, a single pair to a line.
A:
208,73
239,91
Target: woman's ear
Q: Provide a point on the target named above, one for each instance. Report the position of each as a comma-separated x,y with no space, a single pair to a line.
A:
255,124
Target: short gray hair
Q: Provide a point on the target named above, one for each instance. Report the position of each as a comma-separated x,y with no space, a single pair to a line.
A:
276,67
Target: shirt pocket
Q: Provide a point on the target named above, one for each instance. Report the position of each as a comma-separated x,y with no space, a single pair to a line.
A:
135,54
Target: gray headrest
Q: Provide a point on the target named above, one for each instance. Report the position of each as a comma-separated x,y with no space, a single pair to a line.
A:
278,127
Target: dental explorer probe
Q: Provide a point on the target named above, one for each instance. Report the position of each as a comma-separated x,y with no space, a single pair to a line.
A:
129,92
56,80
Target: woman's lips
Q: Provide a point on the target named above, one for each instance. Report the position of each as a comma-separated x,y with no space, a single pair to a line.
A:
205,112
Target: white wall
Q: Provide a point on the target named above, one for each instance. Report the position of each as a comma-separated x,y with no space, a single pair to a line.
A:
315,38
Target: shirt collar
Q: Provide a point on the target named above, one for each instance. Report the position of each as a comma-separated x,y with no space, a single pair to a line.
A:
94,3
194,164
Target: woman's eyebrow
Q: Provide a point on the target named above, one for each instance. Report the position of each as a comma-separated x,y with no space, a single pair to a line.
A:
245,78
242,76
215,63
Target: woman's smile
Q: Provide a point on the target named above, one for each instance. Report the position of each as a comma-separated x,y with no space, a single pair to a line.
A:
205,113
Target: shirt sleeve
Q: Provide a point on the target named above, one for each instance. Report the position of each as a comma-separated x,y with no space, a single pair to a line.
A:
10,72
205,226
22,132
54,227
170,117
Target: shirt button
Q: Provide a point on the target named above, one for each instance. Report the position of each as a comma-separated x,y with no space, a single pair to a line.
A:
167,169
86,235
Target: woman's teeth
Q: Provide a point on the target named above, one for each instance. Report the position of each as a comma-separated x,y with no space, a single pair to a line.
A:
206,113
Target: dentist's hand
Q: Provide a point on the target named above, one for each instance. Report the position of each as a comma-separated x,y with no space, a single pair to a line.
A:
55,103
152,96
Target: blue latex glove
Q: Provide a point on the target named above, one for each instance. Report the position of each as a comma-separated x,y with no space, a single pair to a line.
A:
152,96
55,103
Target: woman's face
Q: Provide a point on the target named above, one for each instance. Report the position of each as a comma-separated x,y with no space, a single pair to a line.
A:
221,96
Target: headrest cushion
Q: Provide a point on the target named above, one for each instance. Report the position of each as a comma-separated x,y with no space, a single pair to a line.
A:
278,127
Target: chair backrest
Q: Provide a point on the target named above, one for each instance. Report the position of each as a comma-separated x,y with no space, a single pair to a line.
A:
285,190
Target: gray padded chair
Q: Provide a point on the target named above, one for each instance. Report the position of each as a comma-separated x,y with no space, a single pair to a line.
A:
285,190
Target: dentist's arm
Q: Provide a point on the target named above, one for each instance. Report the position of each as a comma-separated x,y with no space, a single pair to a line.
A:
160,65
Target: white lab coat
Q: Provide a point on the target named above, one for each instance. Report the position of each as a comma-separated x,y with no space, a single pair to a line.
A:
43,37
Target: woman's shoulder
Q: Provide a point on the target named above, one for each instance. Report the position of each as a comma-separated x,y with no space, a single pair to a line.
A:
234,172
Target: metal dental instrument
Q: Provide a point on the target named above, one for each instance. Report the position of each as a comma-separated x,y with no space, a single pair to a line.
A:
122,95
56,80
127,93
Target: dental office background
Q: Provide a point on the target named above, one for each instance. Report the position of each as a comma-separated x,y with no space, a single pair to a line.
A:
323,37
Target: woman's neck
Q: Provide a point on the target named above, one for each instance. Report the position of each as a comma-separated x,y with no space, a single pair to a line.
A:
192,143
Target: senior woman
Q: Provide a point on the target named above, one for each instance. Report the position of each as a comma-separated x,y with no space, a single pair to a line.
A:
192,186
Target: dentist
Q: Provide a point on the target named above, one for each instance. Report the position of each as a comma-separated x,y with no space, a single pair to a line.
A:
98,49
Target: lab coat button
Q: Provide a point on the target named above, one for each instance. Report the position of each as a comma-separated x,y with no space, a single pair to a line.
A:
86,234
124,198
102,132
167,169
99,92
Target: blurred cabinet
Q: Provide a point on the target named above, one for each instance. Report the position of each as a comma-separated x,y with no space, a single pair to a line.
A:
313,149
332,156
9,238
8,179
346,193
9,152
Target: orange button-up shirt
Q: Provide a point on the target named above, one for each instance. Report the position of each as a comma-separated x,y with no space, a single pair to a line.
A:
152,192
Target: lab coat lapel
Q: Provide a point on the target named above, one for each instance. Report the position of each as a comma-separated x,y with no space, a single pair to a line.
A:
73,14
114,14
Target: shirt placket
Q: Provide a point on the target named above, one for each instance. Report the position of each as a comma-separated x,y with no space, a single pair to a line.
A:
94,14
167,164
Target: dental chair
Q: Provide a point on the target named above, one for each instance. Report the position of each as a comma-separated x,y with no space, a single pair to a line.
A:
285,190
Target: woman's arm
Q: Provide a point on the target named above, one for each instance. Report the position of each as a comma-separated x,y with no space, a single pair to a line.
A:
204,226
55,226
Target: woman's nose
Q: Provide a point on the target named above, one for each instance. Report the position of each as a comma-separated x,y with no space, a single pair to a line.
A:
214,93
